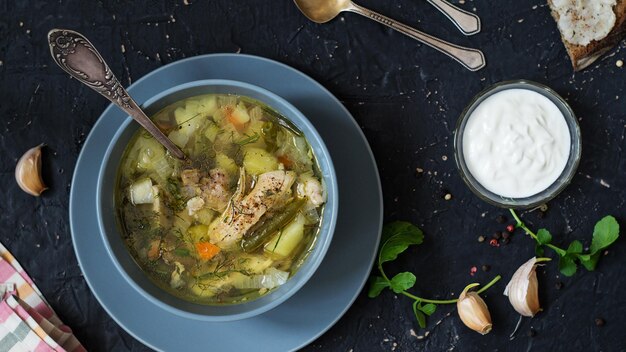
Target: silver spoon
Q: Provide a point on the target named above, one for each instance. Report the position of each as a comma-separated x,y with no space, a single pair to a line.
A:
465,21
322,11
77,56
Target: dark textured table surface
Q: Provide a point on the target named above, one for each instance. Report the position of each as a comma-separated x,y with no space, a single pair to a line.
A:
405,96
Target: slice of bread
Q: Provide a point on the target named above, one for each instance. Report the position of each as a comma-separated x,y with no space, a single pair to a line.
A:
584,55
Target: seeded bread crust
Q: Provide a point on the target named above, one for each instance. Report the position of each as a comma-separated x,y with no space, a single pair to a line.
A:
584,55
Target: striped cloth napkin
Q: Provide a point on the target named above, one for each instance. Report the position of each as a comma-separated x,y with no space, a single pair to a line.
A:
27,322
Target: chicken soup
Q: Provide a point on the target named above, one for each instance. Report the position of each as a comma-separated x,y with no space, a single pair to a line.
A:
237,217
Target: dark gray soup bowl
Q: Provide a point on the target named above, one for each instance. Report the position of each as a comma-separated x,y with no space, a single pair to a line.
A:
131,271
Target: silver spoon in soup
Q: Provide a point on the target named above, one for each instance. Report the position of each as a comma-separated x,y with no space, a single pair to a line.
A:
77,56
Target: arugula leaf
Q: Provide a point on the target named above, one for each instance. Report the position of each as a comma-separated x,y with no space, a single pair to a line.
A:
428,308
591,263
567,266
402,281
421,311
558,250
544,236
421,318
539,251
605,232
377,285
575,247
397,227
398,237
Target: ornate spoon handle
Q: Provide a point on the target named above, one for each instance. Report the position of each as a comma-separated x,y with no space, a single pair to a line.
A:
466,22
78,57
472,59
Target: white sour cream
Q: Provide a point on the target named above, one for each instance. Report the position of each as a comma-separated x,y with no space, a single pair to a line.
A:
582,21
516,143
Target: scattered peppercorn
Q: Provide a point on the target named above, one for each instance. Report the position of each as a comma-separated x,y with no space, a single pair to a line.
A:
481,239
506,235
448,196
541,214
501,219
497,235
558,285
486,267
473,271
494,243
600,322
531,333
506,240
510,228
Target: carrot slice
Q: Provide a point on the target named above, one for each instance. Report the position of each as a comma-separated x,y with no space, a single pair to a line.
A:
283,159
231,116
207,250
235,122
154,249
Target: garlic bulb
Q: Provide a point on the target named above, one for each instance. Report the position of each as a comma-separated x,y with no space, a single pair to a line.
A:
28,172
523,290
473,311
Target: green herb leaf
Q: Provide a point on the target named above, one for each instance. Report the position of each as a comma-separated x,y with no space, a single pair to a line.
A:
397,227
248,139
421,318
575,247
377,285
181,252
605,232
539,251
397,237
402,282
428,308
567,266
558,250
189,119
591,263
544,236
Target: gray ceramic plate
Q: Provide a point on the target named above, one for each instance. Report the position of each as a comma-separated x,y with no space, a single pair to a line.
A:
327,295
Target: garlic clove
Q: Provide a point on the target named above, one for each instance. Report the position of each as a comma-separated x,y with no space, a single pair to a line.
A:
523,289
473,311
28,172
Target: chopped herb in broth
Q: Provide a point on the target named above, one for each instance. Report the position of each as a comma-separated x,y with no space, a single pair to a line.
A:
237,217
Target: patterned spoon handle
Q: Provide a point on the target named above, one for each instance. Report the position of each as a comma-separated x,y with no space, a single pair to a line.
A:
78,57
472,59
466,22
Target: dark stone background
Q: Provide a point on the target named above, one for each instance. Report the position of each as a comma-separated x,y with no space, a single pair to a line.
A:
405,96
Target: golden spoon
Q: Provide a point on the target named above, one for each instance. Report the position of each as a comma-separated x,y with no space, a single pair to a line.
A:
322,11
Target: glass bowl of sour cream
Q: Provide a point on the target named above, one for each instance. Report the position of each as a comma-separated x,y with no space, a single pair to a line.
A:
517,144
